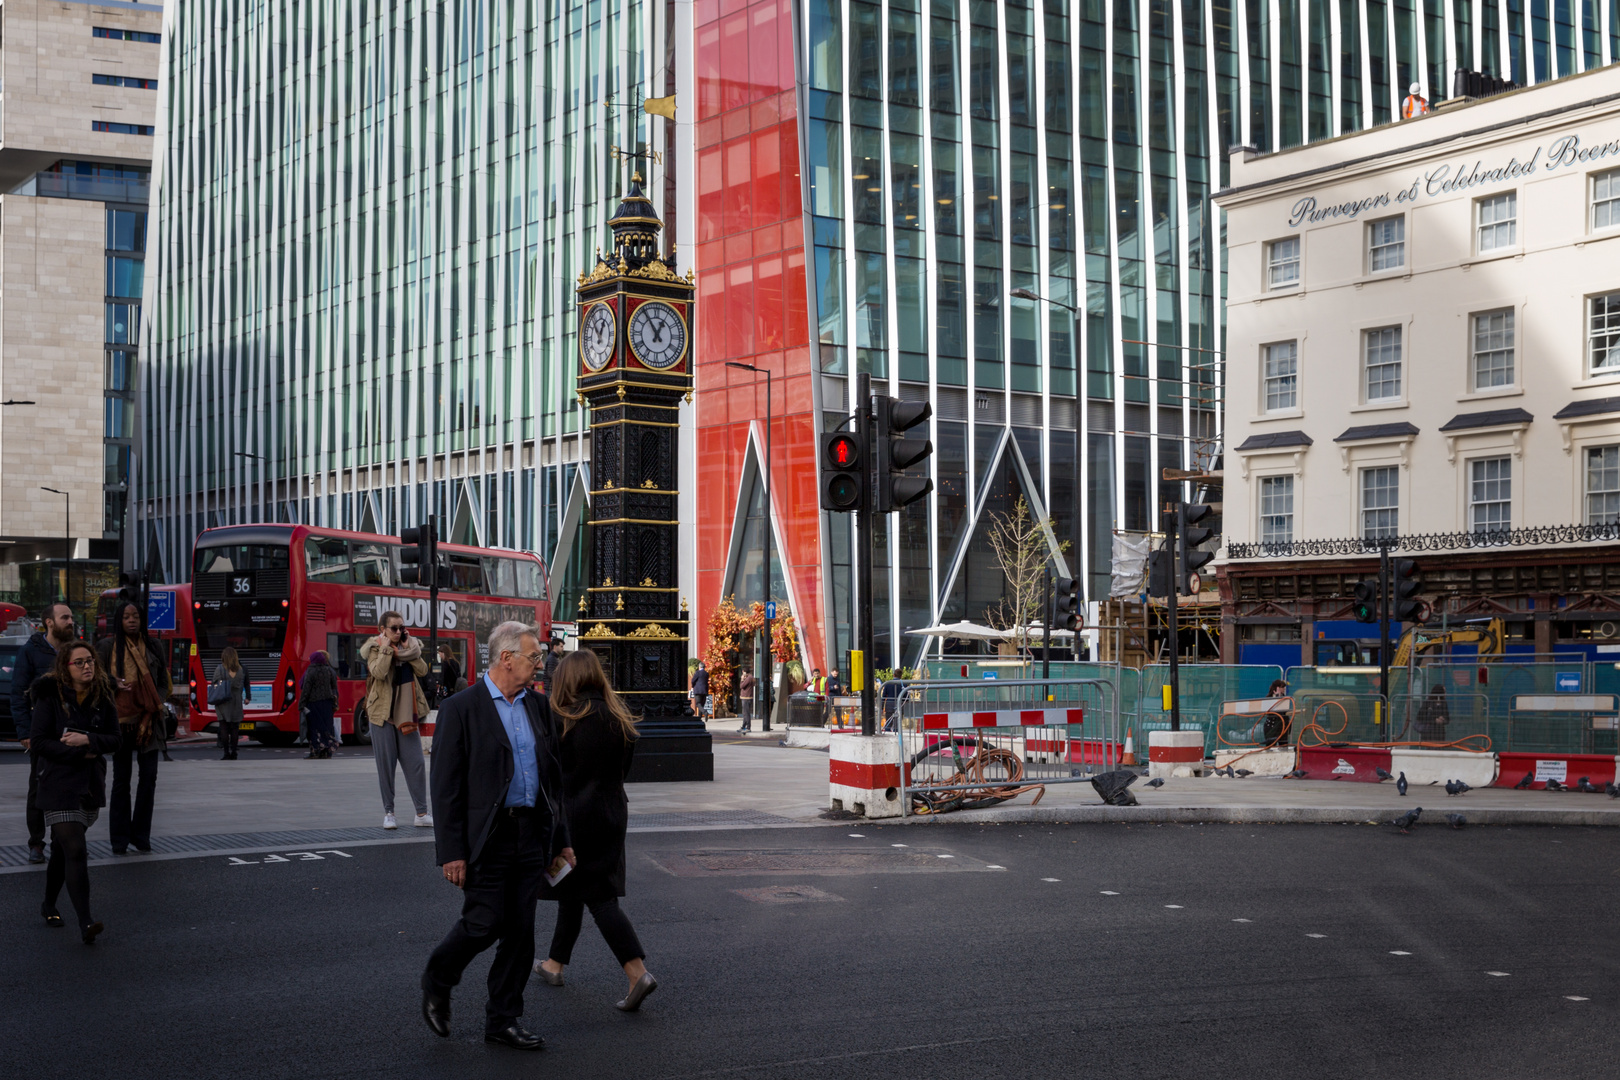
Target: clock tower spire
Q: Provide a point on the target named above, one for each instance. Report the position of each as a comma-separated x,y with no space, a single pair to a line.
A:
635,369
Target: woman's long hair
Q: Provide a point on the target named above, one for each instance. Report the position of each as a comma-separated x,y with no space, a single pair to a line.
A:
62,672
580,675
120,635
228,657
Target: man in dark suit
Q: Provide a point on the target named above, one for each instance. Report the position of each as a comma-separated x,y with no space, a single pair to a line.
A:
497,804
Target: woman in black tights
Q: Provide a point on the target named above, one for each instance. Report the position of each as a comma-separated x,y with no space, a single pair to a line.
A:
599,735
75,723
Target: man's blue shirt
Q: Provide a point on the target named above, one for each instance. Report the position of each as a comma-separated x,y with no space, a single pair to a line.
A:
525,786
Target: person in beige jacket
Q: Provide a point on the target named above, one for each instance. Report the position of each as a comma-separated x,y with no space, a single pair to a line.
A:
395,705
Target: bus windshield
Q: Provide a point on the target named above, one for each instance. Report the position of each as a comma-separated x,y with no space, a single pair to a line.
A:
225,560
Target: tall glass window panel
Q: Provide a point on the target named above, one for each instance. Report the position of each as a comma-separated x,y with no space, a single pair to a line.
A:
1282,376
1381,350
1603,485
1497,227
1603,332
1276,509
1606,199
1493,349
1490,494
1380,502
1386,244
1282,263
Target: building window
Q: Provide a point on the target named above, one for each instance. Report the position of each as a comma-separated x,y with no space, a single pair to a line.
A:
1493,349
126,35
1603,485
124,276
1386,244
1282,263
1603,335
1282,376
1490,494
122,129
1380,501
1382,352
1276,509
131,81
1498,225
1606,199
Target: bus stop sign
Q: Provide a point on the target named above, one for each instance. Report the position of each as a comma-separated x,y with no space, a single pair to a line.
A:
160,611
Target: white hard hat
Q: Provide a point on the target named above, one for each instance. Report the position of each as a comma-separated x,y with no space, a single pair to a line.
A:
1416,88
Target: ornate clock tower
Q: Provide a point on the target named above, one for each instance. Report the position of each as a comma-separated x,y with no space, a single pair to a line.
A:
635,366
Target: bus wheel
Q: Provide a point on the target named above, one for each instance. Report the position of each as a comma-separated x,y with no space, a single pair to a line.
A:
362,729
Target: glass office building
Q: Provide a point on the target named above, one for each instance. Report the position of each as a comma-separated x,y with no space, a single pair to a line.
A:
368,218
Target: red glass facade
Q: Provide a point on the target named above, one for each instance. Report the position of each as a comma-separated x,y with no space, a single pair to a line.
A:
751,300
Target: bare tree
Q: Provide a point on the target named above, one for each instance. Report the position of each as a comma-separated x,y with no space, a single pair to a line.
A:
1022,546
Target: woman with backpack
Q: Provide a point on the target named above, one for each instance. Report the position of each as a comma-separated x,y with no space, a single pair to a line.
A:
226,693
318,695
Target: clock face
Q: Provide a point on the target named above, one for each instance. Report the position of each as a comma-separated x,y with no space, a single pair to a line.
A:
596,336
658,335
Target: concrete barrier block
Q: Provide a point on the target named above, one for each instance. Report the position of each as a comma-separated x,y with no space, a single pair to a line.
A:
1438,766
864,775
1278,762
1168,750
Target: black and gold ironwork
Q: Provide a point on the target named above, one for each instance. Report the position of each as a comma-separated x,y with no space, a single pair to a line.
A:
634,371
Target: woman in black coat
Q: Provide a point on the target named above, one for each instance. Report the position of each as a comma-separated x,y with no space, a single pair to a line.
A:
597,742
75,722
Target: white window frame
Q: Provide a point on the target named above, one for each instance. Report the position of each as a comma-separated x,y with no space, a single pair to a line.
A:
1397,246
1286,481
1274,380
1605,198
1495,348
1398,363
1488,234
1274,264
1609,493
1482,496
1391,527
1603,333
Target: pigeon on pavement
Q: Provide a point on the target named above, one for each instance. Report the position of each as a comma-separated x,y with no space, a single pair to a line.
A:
1245,772
1400,784
1585,784
1456,787
1554,785
1457,820
1613,792
1407,820
1383,774
1529,778
1297,774
1157,781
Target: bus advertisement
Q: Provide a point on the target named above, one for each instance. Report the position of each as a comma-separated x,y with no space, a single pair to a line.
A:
279,593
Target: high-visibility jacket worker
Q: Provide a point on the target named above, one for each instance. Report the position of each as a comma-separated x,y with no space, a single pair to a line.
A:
818,684
1415,104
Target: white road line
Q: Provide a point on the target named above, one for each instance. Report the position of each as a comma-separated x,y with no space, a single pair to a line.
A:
993,866
1243,920
1572,997
1316,935
1051,879
897,845
1177,906
944,856
1105,892
1397,952
858,835
1498,974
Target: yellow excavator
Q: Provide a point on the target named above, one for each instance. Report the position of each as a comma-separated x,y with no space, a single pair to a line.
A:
1490,637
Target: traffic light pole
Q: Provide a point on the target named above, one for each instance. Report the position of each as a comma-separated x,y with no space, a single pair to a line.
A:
1175,630
1046,649
866,537
1384,600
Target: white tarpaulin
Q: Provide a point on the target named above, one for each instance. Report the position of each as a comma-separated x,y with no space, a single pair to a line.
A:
1129,578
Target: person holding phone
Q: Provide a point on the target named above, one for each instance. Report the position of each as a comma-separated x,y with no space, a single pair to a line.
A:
395,705
502,833
75,722
598,741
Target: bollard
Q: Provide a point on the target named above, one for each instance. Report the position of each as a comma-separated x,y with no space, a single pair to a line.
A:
1172,750
864,775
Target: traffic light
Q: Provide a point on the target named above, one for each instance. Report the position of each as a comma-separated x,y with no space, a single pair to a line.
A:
129,588
419,557
843,476
894,454
1068,604
1406,604
1366,606
1189,537
1159,572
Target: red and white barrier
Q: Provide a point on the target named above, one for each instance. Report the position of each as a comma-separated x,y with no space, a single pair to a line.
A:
1439,766
1172,750
1359,763
1005,718
1567,769
864,775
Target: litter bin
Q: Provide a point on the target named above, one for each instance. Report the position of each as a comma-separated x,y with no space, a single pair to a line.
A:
805,710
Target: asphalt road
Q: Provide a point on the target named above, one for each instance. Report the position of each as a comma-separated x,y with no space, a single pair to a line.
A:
1032,951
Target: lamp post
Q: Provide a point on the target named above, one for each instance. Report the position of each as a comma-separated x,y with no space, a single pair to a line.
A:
67,545
1079,437
765,544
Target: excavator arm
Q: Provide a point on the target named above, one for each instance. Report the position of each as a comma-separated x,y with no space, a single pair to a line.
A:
1490,639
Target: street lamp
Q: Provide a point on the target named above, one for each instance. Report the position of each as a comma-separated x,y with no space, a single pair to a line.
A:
1079,436
67,545
765,543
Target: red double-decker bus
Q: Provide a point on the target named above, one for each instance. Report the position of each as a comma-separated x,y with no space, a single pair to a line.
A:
278,593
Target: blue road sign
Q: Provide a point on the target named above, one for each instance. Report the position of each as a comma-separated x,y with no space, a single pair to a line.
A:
160,611
770,609
1568,682
991,675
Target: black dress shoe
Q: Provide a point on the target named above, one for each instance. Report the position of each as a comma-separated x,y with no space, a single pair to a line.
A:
53,918
36,854
516,1036
89,933
436,1011
121,850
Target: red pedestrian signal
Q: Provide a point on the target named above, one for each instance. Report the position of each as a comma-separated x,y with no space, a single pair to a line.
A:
842,452
843,478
